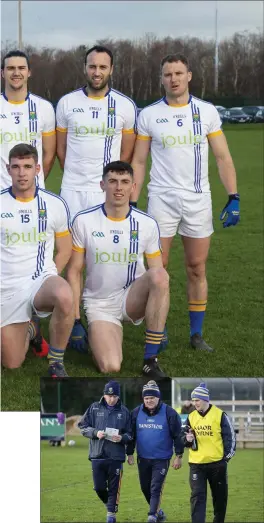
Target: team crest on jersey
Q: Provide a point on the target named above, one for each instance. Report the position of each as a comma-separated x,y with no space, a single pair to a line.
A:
196,117
111,110
42,214
134,235
32,115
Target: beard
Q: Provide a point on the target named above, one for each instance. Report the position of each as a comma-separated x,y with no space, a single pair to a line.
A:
99,86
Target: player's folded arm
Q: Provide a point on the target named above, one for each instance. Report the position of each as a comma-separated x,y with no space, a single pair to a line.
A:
139,163
127,145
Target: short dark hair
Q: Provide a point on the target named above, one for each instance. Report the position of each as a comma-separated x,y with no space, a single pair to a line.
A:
177,57
12,54
119,167
23,150
100,49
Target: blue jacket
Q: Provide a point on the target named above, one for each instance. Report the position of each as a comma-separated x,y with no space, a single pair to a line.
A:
174,427
97,417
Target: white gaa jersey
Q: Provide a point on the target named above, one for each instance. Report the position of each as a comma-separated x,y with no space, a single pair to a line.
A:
179,143
28,230
114,249
94,128
24,122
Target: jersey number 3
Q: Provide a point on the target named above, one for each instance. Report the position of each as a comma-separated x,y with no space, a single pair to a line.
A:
17,119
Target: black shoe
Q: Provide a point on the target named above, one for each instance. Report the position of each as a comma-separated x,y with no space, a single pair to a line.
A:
57,370
197,342
152,370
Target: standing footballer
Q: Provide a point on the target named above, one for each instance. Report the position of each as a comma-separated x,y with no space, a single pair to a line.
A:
177,130
95,125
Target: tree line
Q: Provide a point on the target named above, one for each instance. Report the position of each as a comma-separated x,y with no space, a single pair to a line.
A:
56,72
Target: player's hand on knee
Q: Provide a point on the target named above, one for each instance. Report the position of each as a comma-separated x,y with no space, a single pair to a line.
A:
79,337
230,214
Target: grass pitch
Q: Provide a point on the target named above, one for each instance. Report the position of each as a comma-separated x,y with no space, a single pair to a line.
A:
67,491
234,317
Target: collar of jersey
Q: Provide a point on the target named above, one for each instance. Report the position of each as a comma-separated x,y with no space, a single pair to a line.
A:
13,101
23,199
116,219
172,105
95,97
203,414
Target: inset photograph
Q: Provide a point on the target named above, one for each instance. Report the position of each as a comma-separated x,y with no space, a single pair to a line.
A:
128,449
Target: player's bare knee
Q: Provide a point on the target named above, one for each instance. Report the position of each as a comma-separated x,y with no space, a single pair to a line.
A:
64,300
159,277
196,270
109,366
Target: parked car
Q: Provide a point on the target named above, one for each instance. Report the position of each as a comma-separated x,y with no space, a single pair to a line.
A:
259,117
220,108
252,110
221,113
139,109
237,115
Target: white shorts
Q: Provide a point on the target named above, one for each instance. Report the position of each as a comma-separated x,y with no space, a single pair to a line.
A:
80,200
187,213
18,308
109,309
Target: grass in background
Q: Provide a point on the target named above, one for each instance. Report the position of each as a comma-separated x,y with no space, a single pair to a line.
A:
234,318
67,491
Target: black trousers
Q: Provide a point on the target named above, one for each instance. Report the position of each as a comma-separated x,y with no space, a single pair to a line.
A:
216,475
152,474
107,475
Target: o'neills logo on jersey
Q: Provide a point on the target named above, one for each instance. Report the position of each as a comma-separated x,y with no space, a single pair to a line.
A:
19,136
179,140
122,257
30,237
98,130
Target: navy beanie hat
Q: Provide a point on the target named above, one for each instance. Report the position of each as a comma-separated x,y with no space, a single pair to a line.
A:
112,388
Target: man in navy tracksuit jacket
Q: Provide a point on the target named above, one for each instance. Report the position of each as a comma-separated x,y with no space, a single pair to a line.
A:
107,452
156,429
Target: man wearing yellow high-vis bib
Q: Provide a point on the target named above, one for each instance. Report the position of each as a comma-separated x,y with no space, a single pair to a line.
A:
210,436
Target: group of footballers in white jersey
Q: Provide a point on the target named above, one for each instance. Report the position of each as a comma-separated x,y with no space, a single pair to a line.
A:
95,222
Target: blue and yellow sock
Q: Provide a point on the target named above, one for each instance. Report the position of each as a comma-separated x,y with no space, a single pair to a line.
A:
152,344
55,355
197,310
164,341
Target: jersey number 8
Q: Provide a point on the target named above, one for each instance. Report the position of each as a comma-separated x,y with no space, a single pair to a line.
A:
116,238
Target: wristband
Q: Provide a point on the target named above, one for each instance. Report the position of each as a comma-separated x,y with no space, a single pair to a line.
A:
233,197
134,204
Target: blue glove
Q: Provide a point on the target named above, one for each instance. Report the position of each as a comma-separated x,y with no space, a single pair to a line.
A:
231,211
79,337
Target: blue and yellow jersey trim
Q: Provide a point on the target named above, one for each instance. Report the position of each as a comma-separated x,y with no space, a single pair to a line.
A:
128,131
78,249
61,234
49,133
215,133
153,254
143,137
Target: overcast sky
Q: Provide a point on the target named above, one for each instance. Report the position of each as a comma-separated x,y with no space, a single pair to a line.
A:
65,24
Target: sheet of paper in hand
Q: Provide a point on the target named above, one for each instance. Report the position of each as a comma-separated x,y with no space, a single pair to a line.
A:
110,433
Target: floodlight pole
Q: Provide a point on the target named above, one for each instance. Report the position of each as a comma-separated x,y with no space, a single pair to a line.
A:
20,45
216,50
